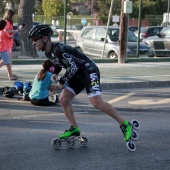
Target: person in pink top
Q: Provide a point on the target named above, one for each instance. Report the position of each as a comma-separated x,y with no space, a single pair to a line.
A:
8,17
5,58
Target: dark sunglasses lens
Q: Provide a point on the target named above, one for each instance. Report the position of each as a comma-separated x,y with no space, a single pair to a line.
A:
35,39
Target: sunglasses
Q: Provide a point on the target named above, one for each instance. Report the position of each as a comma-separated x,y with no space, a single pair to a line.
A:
35,40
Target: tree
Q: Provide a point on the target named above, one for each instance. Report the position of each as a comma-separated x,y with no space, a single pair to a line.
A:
93,6
149,7
146,8
39,10
161,6
53,7
102,7
25,11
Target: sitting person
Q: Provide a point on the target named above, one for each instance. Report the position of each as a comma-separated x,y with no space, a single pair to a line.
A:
43,89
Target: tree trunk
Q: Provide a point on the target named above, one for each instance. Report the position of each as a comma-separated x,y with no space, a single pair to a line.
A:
25,11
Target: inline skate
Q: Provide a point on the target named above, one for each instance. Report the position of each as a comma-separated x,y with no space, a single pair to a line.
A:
69,137
128,129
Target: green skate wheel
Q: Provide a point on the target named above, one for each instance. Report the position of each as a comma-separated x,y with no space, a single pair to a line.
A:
56,143
83,141
135,124
131,146
134,135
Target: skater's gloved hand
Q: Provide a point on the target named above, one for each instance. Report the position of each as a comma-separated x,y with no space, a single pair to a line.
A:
54,78
59,85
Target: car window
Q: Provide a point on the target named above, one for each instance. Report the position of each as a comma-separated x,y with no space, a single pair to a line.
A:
156,30
150,30
131,37
100,33
143,29
88,33
160,28
133,29
113,34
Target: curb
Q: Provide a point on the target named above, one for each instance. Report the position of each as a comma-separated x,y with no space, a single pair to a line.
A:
150,84
130,85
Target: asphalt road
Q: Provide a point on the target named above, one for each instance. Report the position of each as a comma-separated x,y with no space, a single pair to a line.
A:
26,132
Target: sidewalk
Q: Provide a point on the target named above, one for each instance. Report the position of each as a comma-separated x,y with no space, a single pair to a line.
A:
113,75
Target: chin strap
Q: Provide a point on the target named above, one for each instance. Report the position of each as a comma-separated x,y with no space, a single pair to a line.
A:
44,44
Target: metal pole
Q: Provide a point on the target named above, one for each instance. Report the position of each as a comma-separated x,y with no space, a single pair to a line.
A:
108,23
168,15
92,8
65,21
139,25
127,29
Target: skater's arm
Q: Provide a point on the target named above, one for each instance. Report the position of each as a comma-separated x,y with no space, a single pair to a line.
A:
71,68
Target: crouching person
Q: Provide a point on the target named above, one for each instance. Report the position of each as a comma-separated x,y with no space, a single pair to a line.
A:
43,89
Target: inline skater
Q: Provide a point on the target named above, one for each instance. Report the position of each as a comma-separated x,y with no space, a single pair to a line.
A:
81,72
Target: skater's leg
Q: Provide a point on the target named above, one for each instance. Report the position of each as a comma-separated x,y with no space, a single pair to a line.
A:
99,104
65,101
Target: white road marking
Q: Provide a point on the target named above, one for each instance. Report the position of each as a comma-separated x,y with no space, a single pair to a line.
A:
150,101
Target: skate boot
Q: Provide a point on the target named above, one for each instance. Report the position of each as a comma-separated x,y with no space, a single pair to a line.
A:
69,137
73,131
127,130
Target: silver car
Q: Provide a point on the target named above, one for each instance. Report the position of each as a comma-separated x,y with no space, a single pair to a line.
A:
146,32
160,43
91,42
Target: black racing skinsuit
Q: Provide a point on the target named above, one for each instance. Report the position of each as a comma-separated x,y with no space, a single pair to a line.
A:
75,62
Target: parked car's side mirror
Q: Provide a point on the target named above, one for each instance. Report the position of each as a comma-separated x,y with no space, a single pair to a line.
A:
161,35
158,34
102,39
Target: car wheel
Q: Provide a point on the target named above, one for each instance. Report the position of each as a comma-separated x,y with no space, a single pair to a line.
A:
14,46
112,55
